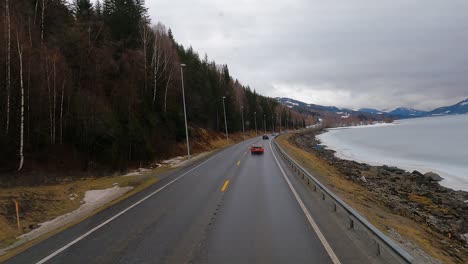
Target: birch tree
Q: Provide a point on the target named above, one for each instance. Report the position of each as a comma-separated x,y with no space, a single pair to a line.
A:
54,109
145,35
61,112
20,56
171,70
8,63
42,20
159,60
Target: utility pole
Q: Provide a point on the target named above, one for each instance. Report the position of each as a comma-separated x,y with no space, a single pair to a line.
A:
273,123
280,123
225,121
185,111
242,114
264,123
255,113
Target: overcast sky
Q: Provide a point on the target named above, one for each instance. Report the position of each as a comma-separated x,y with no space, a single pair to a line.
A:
348,53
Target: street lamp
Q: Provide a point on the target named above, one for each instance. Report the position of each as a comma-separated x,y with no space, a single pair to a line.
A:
225,121
264,123
242,114
273,123
185,111
255,113
280,123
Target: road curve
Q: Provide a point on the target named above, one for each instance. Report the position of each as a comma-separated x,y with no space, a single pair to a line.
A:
231,207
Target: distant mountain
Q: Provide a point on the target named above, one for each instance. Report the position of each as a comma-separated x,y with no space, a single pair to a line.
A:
456,109
398,113
291,103
332,112
404,112
371,111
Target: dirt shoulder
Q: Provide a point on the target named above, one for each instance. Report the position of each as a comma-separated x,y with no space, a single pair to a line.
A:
428,220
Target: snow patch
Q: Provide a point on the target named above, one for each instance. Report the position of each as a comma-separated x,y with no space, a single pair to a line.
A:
138,171
93,199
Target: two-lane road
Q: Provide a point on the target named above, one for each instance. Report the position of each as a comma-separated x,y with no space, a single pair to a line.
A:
232,207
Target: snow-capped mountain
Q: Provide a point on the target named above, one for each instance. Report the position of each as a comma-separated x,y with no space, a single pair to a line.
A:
456,109
407,112
371,111
398,113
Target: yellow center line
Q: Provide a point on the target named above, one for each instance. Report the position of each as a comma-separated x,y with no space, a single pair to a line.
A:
224,186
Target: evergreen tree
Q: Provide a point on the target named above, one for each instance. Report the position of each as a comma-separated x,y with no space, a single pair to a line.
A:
82,9
98,9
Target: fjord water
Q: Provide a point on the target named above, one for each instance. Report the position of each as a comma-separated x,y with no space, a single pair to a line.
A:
438,144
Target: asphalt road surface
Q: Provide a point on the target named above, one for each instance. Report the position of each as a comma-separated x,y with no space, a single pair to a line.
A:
231,207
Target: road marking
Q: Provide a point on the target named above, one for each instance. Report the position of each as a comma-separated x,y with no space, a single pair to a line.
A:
224,186
238,162
44,260
314,225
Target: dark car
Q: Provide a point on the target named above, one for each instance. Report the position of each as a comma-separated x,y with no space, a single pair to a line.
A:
257,149
265,137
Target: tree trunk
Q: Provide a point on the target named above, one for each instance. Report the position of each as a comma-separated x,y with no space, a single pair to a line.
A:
165,93
50,98
42,21
20,55
54,119
61,113
8,64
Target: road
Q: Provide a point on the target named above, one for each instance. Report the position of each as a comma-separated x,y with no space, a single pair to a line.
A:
231,207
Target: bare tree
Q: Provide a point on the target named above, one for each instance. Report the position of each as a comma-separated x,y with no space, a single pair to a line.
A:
49,97
42,21
61,112
159,60
8,63
145,35
20,55
167,86
54,111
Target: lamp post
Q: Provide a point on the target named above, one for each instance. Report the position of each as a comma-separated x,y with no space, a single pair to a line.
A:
242,115
225,121
185,111
280,123
264,123
255,114
273,123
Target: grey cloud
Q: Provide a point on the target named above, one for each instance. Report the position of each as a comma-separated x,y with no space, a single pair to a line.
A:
359,53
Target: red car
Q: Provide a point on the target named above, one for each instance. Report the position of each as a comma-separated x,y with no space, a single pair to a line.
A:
257,149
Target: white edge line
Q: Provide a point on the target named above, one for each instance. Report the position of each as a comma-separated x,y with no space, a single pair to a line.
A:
314,225
76,240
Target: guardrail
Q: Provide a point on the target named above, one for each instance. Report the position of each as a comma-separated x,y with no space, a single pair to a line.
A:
354,221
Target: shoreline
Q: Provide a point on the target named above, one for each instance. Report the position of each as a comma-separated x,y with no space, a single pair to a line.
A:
424,153
409,194
449,180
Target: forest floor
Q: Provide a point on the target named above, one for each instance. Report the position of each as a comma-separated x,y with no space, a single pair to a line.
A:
56,206
416,237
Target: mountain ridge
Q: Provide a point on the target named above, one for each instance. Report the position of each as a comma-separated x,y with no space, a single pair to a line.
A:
398,113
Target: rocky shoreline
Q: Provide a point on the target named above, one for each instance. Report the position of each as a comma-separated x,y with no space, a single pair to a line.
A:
410,194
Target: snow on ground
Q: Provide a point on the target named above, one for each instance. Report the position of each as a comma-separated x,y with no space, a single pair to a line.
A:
182,161
93,199
138,171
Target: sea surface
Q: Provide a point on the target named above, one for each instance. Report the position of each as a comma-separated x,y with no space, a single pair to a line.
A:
438,144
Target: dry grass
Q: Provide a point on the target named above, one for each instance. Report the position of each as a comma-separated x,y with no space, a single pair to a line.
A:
367,203
42,203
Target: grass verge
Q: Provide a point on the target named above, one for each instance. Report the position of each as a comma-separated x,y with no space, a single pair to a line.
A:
39,204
